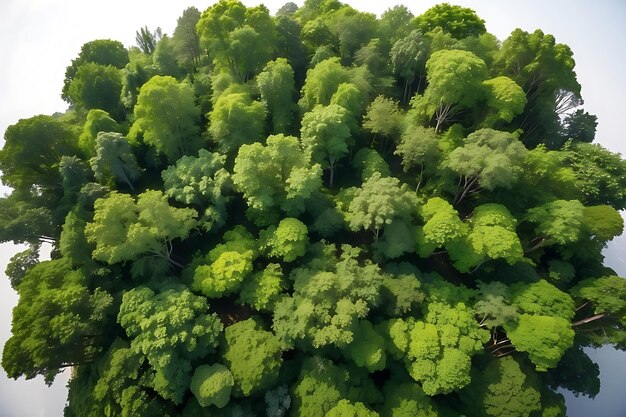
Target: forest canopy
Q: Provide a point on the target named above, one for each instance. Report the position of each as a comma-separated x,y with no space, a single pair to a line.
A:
316,213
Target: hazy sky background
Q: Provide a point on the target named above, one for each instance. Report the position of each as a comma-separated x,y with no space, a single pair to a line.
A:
39,38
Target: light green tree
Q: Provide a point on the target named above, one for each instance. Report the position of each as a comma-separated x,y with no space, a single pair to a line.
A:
125,230
253,356
279,175
212,385
184,329
236,120
167,118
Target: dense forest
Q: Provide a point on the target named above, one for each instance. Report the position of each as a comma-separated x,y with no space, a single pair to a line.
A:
317,213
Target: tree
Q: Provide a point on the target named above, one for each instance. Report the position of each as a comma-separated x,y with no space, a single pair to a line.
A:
20,263
600,175
505,100
59,322
488,159
378,202
393,25
418,147
327,303
408,58
101,51
164,58
224,275
97,121
279,175
167,118
492,235
544,338
558,221
370,162
444,68
406,400
114,160
325,135
240,40
187,333
442,226
502,389
236,120
367,348
288,241
264,288
322,82
21,167
545,70
185,40
460,22
383,118
345,408
438,350
147,40
542,298
97,86
352,29
23,220
202,182
580,126
212,385
321,385
252,355
124,230
277,87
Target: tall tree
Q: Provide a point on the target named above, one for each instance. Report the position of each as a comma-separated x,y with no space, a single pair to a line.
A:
167,118
114,160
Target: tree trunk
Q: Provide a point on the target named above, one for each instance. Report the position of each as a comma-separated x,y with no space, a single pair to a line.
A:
589,319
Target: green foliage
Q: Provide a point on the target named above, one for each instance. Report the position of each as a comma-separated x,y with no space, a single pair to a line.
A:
544,338
253,356
488,159
202,182
96,86
558,221
488,203
406,400
505,100
240,40
462,69
236,120
325,135
114,160
345,408
322,82
97,121
277,87
263,289
600,175
367,348
326,304
124,230
378,202
438,350
59,321
279,175
370,162
23,168
170,328
383,117
167,118
288,241
103,52
212,384
460,22
502,389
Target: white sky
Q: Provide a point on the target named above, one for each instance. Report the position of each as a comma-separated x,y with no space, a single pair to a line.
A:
39,38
